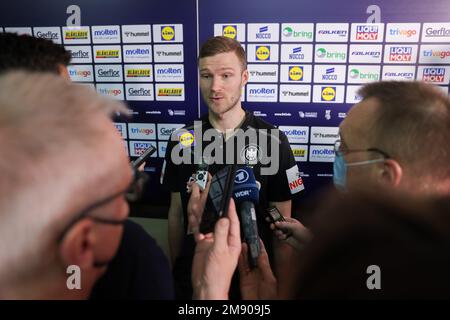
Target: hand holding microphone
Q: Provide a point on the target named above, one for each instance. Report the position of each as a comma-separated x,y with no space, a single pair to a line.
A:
246,196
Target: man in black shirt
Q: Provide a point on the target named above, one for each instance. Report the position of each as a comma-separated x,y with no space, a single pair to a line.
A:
215,140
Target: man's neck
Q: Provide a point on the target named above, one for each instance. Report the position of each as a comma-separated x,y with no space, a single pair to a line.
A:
227,121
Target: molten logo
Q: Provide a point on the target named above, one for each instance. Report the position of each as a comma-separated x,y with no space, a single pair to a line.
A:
262,53
167,33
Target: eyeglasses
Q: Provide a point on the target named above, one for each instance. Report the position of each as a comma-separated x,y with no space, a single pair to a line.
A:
132,193
338,150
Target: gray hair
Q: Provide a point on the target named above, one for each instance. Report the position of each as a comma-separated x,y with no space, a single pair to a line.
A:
44,121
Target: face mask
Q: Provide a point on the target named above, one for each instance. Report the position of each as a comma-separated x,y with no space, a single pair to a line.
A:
340,169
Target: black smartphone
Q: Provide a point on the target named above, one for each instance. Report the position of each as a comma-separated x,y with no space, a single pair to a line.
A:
274,215
220,192
143,157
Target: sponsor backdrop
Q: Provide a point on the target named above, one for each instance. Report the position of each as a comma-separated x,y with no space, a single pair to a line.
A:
306,61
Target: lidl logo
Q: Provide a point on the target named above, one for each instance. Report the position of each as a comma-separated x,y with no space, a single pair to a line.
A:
229,31
262,53
328,93
168,33
296,73
186,139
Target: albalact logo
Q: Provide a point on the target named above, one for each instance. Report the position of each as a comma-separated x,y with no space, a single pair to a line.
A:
100,54
78,35
138,73
167,33
229,31
262,53
170,92
295,73
328,93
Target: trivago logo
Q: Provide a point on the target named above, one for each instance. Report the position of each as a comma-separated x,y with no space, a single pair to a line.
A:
107,54
400,54
262,53
142,131
328,94
168,33
79,73
229,31
295,73
366,32
76,35
110,92
442,54
434,74
408,33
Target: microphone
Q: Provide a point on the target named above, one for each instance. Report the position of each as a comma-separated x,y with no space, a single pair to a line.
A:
246,195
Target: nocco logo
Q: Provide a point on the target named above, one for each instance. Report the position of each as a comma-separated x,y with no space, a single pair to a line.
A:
434,75
263,33
366,32
297,54
328,94
402,54
262,53
229,31
295,73
167,33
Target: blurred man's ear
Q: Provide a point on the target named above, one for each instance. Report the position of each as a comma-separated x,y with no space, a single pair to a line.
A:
62,70
244,77
390,173
77,246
